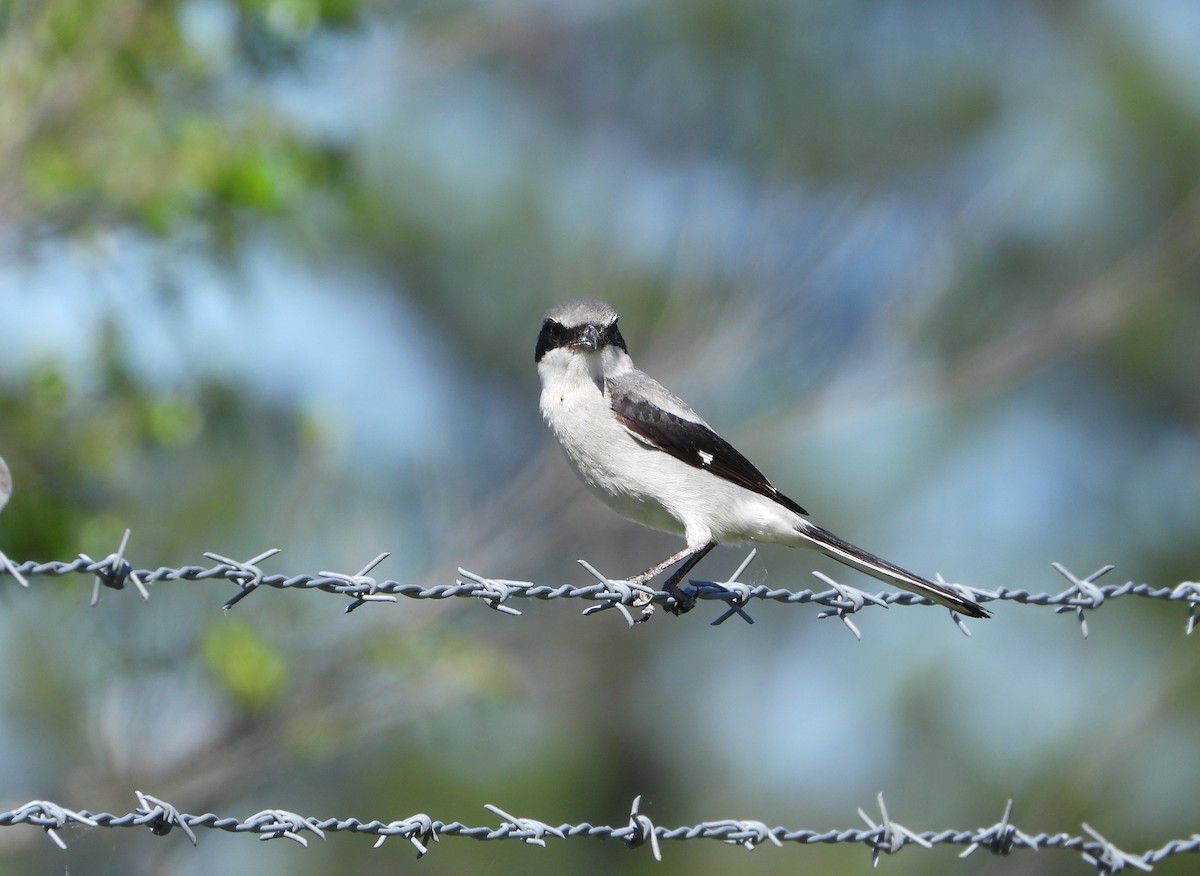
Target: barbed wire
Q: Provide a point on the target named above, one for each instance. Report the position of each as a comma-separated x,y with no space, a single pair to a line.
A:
881,835
884,836
840,601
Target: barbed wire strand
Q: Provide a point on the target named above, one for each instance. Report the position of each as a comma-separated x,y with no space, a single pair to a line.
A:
840,601
885,837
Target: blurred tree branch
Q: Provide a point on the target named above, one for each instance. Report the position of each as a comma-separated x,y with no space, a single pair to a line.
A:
111,115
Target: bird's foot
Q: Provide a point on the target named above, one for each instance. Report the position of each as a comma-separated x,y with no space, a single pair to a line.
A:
643,602
680,602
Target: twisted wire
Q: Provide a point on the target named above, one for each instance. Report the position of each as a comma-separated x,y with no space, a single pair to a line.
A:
884,837
840,600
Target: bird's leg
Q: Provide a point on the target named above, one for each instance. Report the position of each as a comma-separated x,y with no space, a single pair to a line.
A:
657,568
684,602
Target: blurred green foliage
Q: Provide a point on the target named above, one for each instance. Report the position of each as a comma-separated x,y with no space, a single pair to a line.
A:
115,113
935,263
80,454
244,665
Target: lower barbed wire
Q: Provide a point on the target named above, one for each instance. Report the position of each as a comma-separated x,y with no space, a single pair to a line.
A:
882,837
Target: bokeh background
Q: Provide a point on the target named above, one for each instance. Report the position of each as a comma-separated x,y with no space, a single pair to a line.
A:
271,272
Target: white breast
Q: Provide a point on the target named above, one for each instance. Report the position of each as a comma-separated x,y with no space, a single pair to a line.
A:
641,483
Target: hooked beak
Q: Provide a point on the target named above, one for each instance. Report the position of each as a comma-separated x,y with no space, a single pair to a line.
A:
589,338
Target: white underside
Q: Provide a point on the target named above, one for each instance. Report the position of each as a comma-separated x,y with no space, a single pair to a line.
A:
644,484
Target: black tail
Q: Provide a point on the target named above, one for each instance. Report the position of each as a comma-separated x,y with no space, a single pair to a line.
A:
855,557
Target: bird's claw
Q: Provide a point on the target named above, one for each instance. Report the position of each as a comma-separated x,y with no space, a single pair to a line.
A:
680,602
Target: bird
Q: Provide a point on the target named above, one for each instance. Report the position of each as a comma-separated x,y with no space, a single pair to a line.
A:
647,455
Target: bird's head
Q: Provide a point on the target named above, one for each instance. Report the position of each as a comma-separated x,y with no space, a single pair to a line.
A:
586,326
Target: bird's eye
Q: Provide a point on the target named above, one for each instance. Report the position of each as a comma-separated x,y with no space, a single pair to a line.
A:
612,337
552,336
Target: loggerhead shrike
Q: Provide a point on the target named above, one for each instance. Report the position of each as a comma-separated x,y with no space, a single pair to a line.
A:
652,459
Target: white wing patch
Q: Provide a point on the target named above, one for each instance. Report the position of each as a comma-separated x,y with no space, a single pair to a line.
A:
705,457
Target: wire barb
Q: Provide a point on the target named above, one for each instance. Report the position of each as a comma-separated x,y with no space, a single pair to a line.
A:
732,592
162,816
1001,837
1107,858
7,565
281,824
746,834
418,829
246,574
494,591
641,830
113,571
1189,591
50,817
361,585
1089,595
969,593
616,593
850,600
889,836
527,830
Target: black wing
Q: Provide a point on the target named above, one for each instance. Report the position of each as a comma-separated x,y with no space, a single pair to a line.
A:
693,443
